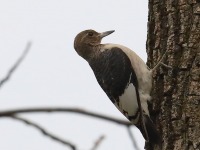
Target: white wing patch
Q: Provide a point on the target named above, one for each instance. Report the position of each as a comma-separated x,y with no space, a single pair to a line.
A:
144,77
128,101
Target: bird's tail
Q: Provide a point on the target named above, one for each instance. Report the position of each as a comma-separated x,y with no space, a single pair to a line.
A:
154,136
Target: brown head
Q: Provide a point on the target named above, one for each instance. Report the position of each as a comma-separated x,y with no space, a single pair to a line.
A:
87,42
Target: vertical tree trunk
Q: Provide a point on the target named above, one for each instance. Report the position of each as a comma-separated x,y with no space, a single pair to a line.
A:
174,27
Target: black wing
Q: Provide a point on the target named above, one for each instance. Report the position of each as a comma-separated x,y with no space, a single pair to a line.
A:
113,71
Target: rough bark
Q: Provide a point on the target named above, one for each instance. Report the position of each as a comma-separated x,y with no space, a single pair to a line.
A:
174,26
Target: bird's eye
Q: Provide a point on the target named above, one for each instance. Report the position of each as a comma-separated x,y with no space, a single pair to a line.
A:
90,34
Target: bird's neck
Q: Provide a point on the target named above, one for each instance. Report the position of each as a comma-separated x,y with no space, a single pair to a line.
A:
91,52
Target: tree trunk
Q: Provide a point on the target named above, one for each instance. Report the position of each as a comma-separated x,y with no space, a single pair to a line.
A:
174,28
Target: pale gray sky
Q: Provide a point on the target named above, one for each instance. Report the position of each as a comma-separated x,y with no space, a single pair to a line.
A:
54,75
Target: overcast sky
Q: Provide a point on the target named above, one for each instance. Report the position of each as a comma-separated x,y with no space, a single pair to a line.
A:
53,74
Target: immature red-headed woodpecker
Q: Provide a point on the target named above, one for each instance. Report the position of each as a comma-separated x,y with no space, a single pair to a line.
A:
123,76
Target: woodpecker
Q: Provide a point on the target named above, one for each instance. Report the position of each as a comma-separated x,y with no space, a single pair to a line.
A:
123,76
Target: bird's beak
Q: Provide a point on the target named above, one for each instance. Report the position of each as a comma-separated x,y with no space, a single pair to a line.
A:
103,34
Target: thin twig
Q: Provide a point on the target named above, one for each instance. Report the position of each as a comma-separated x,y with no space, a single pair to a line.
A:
132,138
98,142
14,67
159,62
166,66
44,131
60,109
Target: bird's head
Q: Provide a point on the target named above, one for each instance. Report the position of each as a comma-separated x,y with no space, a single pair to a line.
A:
87,42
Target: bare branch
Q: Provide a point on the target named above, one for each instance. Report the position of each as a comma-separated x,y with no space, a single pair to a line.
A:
44,132
98,142
132,138
60,109
14,67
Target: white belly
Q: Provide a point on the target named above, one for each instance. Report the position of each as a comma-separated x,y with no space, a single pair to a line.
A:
128,101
